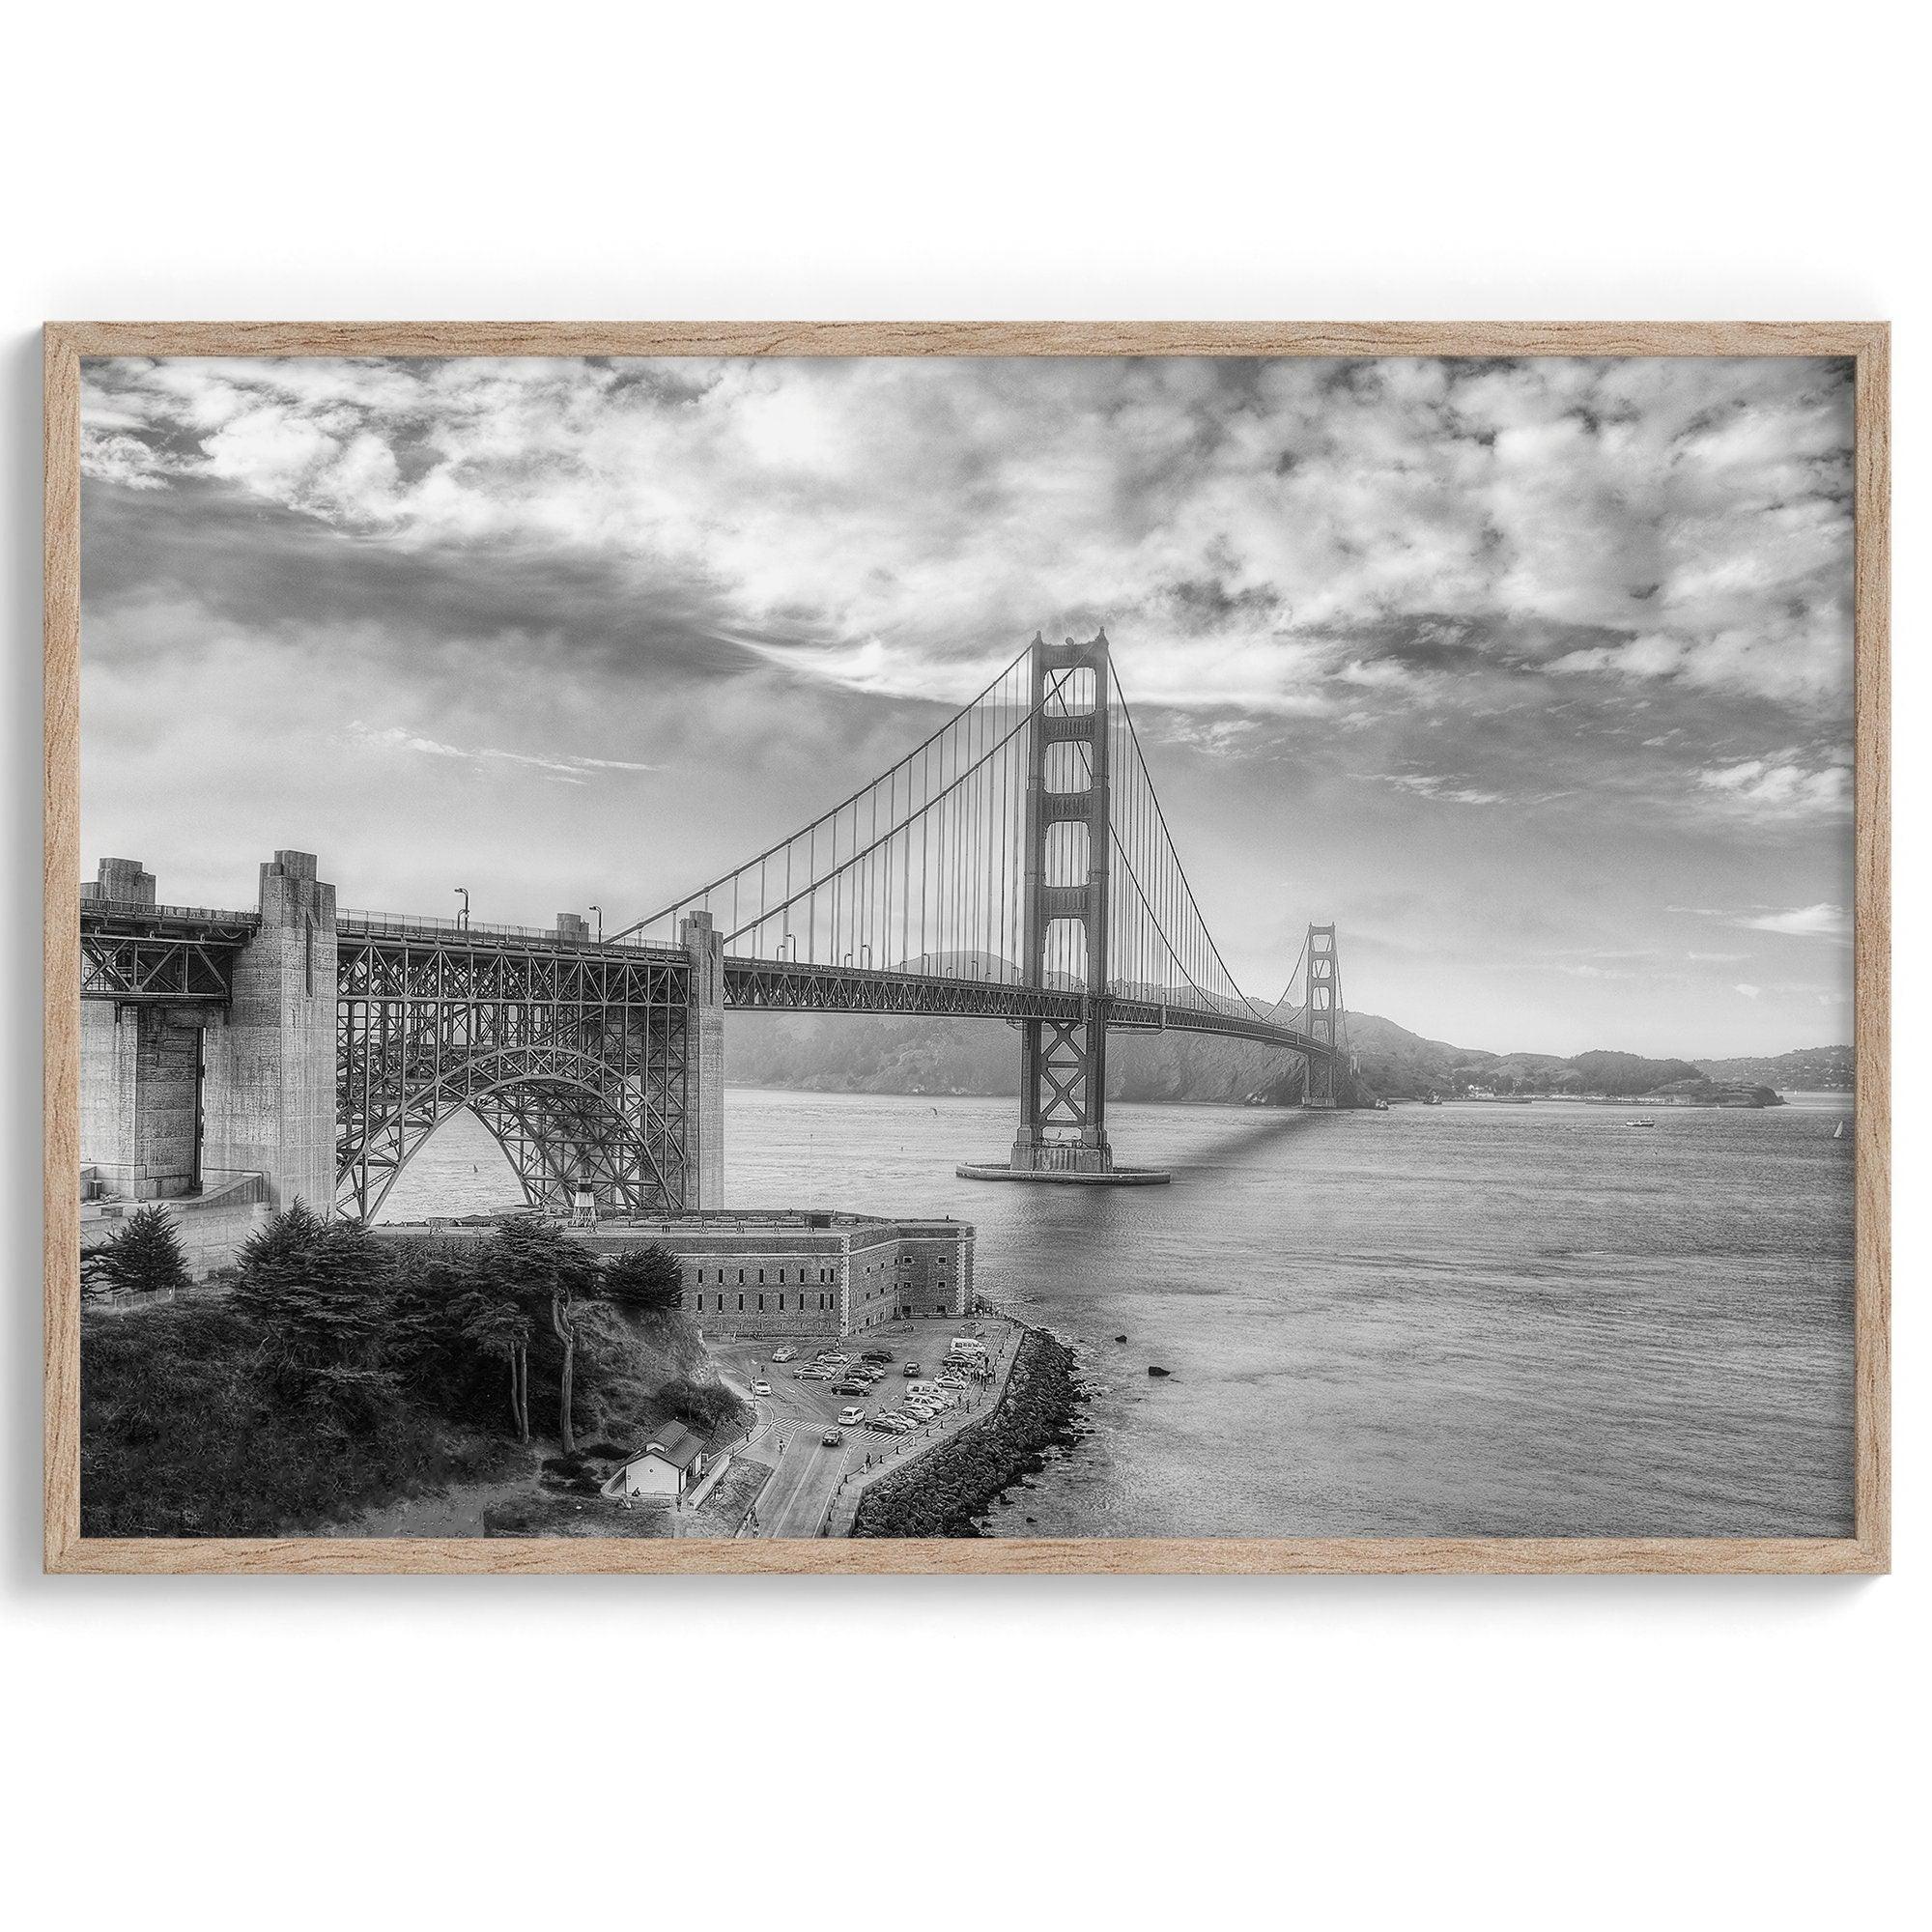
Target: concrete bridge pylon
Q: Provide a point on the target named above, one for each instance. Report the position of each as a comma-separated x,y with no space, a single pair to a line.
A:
187,1093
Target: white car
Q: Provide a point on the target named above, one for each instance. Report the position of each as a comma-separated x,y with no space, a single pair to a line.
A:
851,1415
784,1354
762,1387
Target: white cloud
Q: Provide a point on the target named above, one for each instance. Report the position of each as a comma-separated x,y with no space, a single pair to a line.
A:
1779,787
1813,922
1443,790
110,456
568,769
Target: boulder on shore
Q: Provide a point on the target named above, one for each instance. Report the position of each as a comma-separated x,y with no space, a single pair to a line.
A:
1152,1371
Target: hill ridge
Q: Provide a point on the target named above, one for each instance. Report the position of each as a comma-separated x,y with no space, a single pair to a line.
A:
908,1054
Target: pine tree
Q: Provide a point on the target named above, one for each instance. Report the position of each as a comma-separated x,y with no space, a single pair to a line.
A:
294,1231
143,1256
321,1292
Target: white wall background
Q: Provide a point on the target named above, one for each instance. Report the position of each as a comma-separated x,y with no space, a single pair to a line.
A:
1317,1752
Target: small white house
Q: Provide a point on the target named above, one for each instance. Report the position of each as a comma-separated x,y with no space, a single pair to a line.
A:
669,1464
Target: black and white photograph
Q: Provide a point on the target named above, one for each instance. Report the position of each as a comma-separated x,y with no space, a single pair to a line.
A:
730,948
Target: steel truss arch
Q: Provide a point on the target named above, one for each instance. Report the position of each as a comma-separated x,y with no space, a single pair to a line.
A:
559,1114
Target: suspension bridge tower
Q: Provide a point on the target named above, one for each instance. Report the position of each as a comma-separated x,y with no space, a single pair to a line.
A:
1066,845
1063,1125
1323,1013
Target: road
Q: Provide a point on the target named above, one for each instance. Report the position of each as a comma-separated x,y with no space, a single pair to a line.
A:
795,1416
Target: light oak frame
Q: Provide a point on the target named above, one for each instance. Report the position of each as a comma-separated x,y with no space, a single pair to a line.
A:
1866,1552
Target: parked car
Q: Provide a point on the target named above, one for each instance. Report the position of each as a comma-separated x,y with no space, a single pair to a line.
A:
851,1415
876,1356
784,1354
851,1388
910,1369
762,1387
884,1424
833,1358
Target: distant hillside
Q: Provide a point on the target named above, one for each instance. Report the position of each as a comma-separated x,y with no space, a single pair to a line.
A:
835,1053
1810,1069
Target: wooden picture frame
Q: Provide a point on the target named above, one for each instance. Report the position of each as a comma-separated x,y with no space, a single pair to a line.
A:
1867,344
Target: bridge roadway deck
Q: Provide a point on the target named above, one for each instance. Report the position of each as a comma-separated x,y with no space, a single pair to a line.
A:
120,940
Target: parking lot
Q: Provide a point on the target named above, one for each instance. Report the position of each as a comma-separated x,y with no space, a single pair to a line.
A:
794,1418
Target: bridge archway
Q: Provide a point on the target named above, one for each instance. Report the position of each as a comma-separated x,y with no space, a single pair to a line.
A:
561,1116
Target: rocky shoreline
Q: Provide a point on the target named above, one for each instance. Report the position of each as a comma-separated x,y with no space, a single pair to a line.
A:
945,1491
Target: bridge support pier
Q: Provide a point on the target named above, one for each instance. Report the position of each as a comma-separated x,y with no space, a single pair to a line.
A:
705,1048
140,1074
269,1095
1063,1125
141,1096
180,1097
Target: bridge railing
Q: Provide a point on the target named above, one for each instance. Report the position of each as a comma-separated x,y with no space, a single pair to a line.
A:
200,915
401,925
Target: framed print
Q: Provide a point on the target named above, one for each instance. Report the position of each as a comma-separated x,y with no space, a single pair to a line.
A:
967,946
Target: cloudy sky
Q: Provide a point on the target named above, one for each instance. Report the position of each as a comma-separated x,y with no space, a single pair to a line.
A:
1534,676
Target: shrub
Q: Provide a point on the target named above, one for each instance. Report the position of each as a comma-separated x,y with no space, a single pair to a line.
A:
701,1406
645,1279
142,1256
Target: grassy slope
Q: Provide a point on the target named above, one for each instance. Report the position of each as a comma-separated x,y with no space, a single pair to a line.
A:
180,1436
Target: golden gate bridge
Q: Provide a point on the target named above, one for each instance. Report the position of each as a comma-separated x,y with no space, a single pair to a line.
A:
1016,865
